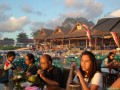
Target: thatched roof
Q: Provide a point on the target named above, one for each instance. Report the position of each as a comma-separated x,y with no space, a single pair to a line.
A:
59,33
44,33
99,33
77,31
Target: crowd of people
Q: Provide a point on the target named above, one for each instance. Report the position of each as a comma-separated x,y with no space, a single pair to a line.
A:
87,75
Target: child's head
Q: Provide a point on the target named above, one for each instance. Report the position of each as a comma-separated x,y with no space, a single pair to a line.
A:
10,55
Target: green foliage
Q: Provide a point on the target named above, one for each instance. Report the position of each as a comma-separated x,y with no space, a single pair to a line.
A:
8,48
8,39
22,38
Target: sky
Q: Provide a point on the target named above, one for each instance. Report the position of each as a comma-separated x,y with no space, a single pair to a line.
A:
26,16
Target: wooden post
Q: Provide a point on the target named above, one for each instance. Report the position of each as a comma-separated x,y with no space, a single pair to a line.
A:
86,42
95,43
62,42
69,43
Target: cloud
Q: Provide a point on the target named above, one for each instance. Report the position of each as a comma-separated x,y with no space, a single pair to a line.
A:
3,17
37,25
4,7
13,24
39,13
28,9
73,3
52,24
89,9
1,35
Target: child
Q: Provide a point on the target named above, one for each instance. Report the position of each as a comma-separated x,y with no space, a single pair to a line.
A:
10,57
8,67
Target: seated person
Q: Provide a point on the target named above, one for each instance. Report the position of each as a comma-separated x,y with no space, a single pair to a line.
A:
87,75
30,61
109,61
51,75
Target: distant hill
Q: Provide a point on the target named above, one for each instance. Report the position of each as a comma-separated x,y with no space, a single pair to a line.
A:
70,22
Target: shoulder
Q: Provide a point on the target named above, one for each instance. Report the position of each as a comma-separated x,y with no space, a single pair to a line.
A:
56,70
7,63
97,78
106,59
98,74
33,66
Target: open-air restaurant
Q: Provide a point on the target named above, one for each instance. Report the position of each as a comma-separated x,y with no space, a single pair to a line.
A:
63,59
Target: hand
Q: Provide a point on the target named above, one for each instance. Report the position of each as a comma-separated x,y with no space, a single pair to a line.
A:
40,72
28,73
73,65
115,62
77,72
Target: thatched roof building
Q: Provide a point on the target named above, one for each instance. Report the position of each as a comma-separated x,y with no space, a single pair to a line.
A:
77,31
43,34
99,33
59,33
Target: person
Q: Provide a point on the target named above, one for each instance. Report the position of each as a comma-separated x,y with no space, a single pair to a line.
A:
8,68
109,61
51,75
115,85
30,61
10,57
87,75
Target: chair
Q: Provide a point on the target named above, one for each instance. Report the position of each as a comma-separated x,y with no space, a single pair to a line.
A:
99,62
65,77
108,79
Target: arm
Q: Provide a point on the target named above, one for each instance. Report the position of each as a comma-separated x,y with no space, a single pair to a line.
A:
109,64
47,80
116,84
70,77
7,65
93,86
